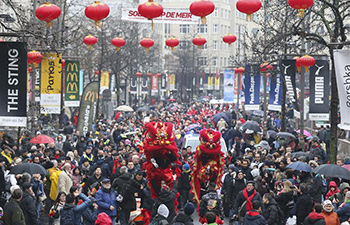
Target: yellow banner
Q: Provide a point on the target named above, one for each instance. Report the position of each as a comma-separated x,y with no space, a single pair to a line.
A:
105,79
217,83
172,81
51,74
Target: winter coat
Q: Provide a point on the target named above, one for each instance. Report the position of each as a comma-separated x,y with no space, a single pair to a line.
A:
234,188
13,214
28,206
270,212
330,192
90,215
343,212
240,200
104,199
78,209
254,218
282,201
303,207
168,199
126,186
182,219
340,194
65,182
331,218
203,206
315,190
103,219
160,220
54,183
314,219
184,181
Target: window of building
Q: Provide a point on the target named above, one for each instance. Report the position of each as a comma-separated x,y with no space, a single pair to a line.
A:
167,28
184,28
202,61
216,12
215,28
215,45
202,28
184,44
214,61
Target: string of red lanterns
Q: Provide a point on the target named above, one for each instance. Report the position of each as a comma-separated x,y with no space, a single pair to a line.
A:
118,42
48,12
229,38
248,7
147,43
199,41
172,43
301,5
202,8
97,12
90,41
150,10
34,58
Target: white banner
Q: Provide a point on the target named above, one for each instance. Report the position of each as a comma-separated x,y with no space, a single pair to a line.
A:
174,16
342,69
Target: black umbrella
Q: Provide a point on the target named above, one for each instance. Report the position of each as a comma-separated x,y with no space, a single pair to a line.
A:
31,168
332,170
298,154
272,134
252,125
220,115
299,166
285,135
142,109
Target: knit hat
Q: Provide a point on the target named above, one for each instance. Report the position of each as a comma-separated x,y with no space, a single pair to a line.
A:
165,187
163,210
186,167
232,167
328,202
189,208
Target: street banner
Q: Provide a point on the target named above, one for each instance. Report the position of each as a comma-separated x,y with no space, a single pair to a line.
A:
228,85
37,83
144,84
88,107
104,81
275,99
210,79
342,70
252,92
154,83
71,83
50,86
171,16
319,91
81,82
133,85
172,80
237,86
288,71
217,83
163,82
13,91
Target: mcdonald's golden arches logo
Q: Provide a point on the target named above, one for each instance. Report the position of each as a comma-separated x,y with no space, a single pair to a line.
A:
91,96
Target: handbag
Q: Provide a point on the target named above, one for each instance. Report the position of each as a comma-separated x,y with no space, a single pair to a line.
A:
42,198
241,218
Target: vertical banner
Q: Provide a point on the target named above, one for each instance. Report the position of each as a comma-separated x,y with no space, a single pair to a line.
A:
144,84
210,81
319,91
50,86
163,82
228,85
88,107
81,82
71,83
252,92
13,91
154,83
133,85
217,83
172,82
104,81
237,85
37,83
275,99
342,69
288,70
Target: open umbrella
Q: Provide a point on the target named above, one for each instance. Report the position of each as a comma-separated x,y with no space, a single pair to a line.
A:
42,139
31,168
252,125
142,109
258,113
306,133
347,166
299,166
332,170
285,135
298,154
124,108
220,115
214,101
271,134
264,145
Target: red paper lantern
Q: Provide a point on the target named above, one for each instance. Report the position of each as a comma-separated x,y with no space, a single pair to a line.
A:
30,69
202,8
97,72
300,5
63,63
172,43
1,40
138,74
248,7
264,67
97,12
118,42
307,61
229,38
90,41
298,64
199,41
147,43
240,70
149,74
150,10
48,12
34,58
158,74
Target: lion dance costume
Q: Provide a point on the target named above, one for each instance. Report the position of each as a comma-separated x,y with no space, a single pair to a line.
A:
208,164
161,154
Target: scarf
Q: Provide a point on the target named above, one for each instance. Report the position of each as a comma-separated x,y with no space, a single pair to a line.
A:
249,205
115,166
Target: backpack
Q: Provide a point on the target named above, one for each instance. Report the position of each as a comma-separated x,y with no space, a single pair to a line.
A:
67,216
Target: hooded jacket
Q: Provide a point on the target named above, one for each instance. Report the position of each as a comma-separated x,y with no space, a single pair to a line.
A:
104,199
254,218
270,212
78,209
168,199
29,209
330,192
331,218
340,195
314,219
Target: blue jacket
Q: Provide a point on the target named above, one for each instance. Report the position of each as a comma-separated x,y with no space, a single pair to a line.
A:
343,212
78,209
254,218
104,199
90,216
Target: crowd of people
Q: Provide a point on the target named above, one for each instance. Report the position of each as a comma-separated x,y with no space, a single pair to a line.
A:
99,178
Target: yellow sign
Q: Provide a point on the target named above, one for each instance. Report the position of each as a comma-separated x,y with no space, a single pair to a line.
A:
51,74
90,96
217,83
105,79
172,81
72,88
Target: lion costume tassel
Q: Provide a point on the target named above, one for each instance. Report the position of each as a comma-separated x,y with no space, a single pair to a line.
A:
208,164
161,154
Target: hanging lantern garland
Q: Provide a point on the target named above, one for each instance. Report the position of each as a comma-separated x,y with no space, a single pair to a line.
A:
297,64
265,67
229,38
199,41
239,70
138,74
248,7
307,61
118,42
172,43
34,58
90,41
147,43
97,12
48,12
300,5
150,10
202,8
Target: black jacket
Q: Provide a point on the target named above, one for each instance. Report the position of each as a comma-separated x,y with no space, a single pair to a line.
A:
13,214
270,213
28,207
314,219
282,201
234,188
240,200
203,206
182,219
303,207
126,186
254,218
184,181
168,199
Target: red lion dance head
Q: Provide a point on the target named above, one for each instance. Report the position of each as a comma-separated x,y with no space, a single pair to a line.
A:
161,152
209,162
